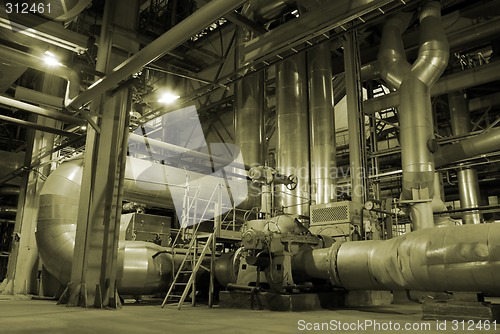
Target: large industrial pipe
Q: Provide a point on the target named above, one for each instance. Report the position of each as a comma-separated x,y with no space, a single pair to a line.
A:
145,182
468,184
249,106
415,113
322,127
56,229
451,258
293,136
25,59
486,142
181,32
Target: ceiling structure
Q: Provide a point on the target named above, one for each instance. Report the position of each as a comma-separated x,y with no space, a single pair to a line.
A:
202,68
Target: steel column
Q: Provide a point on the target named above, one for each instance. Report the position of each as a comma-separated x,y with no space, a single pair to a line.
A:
94,268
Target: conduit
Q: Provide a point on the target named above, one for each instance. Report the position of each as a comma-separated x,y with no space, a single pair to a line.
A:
415,113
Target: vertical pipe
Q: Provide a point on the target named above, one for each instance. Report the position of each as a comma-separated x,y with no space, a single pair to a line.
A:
293,143
322,126
468,184
352,70
415,113
249,118
249,115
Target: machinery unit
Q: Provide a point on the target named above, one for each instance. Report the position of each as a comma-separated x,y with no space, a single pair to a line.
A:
267,253
144,227
337,219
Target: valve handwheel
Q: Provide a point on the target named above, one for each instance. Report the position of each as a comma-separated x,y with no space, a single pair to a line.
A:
293,182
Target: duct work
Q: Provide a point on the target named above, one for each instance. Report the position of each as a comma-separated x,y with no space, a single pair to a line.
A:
415,112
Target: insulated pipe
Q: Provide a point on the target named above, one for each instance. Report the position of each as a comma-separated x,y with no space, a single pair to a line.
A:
451,258
415,114
483,143
138,272
293,134
41,111
468,184
9,191
174,37
39,98
249,106
322,127
56,230
185,151
25,59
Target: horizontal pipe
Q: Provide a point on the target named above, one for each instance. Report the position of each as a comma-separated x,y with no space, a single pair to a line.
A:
8,210
25,59
38,127
9,191
36,97
138,272
185,151
174,37
450,258
483,143
41,111
464,79
453,258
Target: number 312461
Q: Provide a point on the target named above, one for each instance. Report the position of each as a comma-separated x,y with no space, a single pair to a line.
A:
26,8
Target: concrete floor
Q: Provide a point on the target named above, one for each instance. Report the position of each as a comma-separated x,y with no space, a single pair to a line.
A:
22,315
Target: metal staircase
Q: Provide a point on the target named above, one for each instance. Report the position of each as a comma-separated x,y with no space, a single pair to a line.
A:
201,246
190,265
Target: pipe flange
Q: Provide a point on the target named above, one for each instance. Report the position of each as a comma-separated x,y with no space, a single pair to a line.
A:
333,272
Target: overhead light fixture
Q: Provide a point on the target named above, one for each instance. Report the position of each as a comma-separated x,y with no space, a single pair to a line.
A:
168,98
51,60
